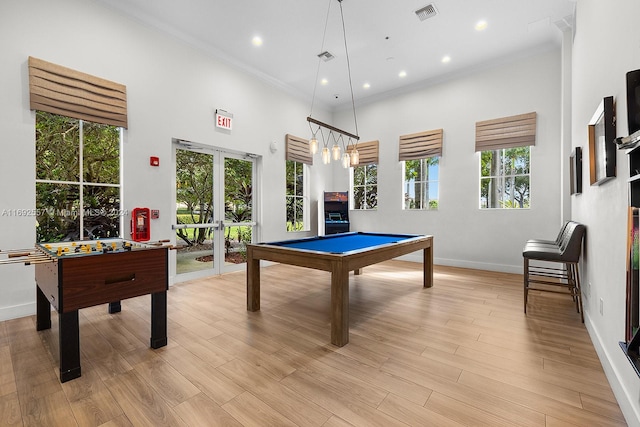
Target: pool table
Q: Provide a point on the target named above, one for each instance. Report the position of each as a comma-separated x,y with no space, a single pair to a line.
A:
338,254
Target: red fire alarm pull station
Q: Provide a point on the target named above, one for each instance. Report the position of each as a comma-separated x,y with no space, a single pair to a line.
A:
154,161
140,225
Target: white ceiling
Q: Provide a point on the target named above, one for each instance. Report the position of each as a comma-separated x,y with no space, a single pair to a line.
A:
384,37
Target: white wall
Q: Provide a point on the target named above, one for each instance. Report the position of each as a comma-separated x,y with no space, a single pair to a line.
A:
464,235
172,91
606,47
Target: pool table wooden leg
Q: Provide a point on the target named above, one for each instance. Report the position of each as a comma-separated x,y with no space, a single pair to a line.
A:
253,283
339,305
427,265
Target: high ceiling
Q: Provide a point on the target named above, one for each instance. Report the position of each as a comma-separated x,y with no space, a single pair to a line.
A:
384,38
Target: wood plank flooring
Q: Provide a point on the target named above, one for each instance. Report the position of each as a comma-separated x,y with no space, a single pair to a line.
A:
459,354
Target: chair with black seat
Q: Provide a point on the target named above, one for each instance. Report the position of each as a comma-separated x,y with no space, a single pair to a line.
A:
552,242
566,249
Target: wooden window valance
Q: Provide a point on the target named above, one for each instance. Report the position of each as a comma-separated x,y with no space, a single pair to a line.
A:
368,152
506,132
60,90
420,145
297,150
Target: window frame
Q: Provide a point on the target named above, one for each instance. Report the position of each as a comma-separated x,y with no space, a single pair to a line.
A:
81,183
352,188
501,200
427,182
306,223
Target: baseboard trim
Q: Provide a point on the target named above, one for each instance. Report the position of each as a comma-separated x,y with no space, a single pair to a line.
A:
502,268
17,311
627,402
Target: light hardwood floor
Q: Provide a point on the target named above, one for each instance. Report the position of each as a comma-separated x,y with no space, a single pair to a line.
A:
460,353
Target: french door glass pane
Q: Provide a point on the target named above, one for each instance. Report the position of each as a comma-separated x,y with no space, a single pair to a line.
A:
196,257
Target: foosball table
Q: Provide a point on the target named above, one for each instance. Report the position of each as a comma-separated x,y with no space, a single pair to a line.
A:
74,275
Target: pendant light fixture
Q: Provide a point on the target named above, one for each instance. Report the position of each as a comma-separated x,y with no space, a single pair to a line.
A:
339,136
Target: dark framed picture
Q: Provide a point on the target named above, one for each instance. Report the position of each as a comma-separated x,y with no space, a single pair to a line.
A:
575,170
602,148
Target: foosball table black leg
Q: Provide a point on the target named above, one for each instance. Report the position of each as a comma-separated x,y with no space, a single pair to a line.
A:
158,319
115,307
69,332
43,311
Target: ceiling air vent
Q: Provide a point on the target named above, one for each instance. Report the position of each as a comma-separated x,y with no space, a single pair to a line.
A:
326,56
427,12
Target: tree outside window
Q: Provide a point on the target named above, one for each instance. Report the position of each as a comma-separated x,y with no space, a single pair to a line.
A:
77,179
505,178
421,183
296,197
365,187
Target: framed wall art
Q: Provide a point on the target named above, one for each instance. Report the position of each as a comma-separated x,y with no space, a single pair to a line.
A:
602,148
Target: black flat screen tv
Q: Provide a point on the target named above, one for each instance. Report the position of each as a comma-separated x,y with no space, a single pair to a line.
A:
633,101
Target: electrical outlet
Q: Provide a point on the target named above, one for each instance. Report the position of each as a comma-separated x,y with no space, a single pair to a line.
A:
601,307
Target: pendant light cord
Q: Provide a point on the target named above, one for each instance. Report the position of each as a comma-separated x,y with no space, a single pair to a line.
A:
344,33
324,35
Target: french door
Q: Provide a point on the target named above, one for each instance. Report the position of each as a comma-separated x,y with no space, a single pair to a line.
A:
215,210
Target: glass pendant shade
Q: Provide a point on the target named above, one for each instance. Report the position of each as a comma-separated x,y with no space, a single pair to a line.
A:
313,145
355,157
346,160
335,151
326,156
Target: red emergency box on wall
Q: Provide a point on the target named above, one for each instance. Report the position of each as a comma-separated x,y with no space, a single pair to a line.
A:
140,225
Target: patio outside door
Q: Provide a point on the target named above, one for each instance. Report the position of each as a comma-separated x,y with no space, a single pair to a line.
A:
214,210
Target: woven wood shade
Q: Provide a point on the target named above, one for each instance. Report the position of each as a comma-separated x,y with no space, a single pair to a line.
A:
421,145
297,150
60,90
507,132
368,152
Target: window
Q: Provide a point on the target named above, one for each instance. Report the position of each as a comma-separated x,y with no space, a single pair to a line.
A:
77,179
505,178
420,156
364,176
504,146
297,199
421,183
365,187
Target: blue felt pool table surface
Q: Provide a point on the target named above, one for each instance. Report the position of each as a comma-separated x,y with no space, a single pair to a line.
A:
344,242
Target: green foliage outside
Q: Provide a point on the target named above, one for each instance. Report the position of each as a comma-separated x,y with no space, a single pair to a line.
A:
58,182
295,196
194,196
505,179
365,187
416,174
238,190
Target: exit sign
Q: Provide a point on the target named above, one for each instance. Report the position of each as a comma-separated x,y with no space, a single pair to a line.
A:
224,120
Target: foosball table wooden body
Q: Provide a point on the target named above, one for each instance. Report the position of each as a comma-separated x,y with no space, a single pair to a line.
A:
74,281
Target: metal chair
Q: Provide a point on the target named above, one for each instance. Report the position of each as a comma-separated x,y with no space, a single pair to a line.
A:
566,250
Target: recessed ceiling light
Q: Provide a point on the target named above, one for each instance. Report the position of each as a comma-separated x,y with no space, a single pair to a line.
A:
366,86
256,41
324,82
446,59
402,74
481,25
